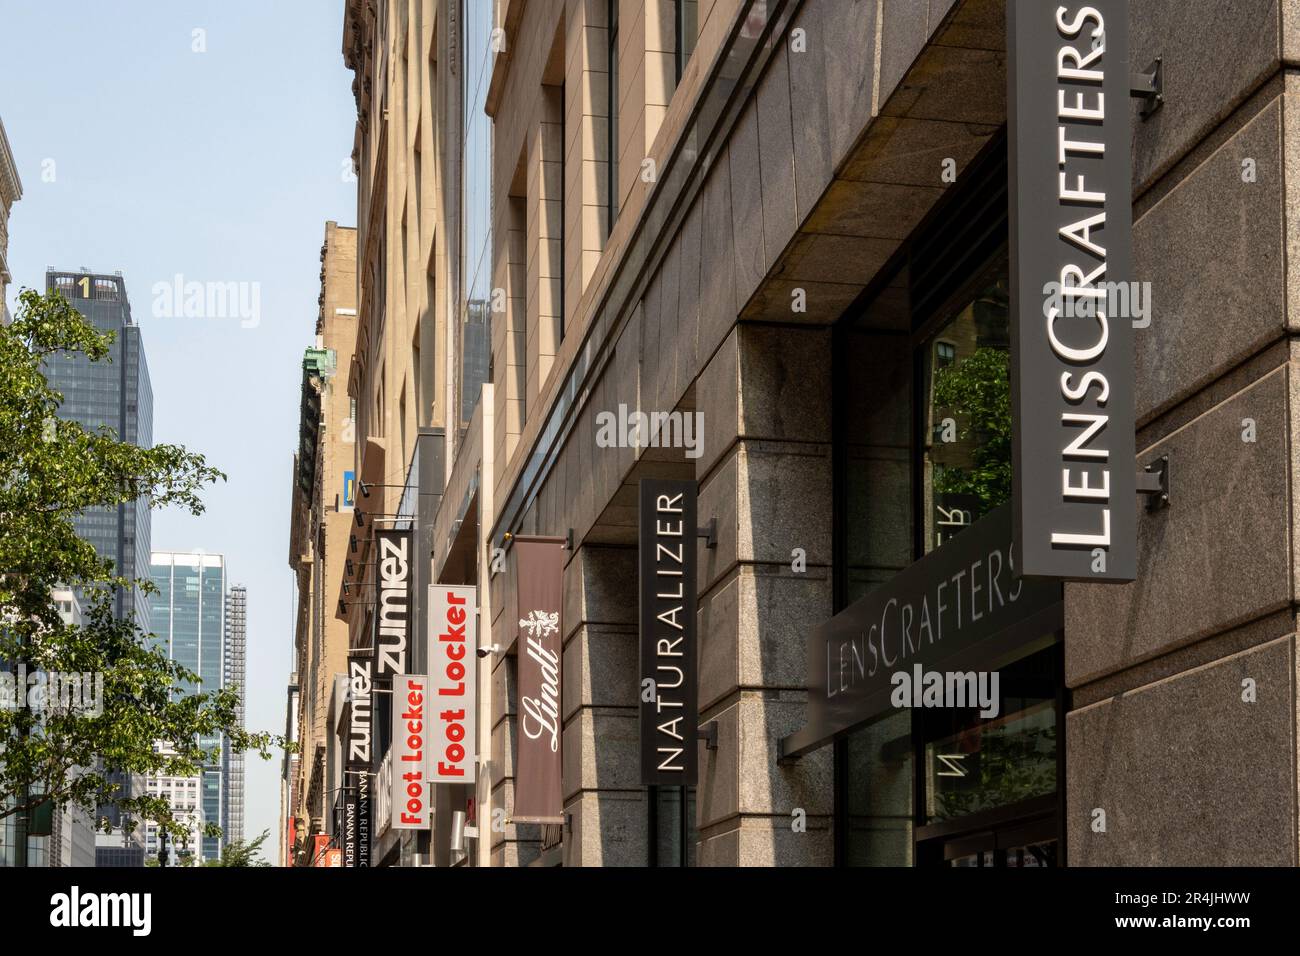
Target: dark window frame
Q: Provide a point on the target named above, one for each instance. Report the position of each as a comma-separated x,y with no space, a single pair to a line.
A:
942,266
611,77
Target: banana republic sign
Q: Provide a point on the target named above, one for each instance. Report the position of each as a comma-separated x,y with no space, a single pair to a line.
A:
669,676
1071,237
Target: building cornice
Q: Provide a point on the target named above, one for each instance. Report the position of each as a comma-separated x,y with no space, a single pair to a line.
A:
11,187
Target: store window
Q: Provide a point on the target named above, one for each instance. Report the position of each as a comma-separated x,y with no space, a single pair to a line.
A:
687,28
923,452
967,386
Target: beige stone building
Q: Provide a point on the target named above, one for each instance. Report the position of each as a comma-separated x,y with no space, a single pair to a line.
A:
405,377
321,517
790,219
11,190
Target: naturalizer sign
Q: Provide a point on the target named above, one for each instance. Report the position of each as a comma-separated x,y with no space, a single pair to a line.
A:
1071,238
669,684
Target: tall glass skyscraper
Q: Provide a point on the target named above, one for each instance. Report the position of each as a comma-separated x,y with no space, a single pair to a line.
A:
113,393
232,765
189,624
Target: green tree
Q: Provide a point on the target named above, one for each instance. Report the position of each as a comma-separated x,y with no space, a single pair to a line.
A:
243,853
50,471
978,389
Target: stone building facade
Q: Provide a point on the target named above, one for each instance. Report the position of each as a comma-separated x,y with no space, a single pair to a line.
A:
805,150
787,220
11,190
320,522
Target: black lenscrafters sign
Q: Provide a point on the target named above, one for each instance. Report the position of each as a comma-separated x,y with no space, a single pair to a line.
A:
669,685
963,607
1071,264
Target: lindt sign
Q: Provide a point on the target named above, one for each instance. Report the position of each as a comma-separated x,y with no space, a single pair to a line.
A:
539,569
409,796
453,646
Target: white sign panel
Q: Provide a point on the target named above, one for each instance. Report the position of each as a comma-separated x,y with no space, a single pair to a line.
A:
453,675
410,773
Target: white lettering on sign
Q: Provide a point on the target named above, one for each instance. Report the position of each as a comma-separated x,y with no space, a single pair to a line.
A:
542,713
908,628
359,724
1083,433
394,601
669,576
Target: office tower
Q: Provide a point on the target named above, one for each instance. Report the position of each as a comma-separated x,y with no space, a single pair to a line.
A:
115,393
67,838
232,764
183,796
189,625
11,190
72,833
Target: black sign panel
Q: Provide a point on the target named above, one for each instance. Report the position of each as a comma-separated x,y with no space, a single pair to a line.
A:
394,594
1071,288
669,676
961,607
359,754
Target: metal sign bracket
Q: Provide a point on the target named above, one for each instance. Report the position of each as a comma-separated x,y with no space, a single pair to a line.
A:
1153,481
1149,86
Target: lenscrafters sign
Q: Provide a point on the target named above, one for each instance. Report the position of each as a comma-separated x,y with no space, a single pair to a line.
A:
669,677
961,608
1071,258
393,563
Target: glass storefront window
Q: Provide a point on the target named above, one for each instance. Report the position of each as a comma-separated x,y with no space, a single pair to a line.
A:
878,788
922,438
973,763
966,468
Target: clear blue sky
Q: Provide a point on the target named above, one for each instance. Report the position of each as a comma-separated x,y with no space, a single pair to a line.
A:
222,166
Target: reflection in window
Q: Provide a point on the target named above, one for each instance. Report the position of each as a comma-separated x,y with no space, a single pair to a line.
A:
974,763
687,15
473,330
612,99
967,458
879,770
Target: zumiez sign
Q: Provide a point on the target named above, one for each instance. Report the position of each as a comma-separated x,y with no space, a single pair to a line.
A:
1071,231
394,602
